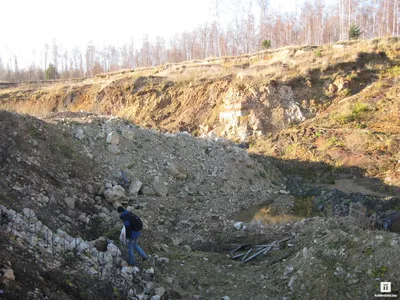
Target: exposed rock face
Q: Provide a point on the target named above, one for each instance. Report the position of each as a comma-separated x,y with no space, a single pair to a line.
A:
250,111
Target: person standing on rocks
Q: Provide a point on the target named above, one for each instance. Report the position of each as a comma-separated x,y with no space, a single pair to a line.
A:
133,225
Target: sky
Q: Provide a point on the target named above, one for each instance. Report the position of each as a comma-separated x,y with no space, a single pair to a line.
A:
26,25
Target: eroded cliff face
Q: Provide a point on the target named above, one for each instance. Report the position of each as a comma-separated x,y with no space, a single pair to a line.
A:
250,111
226,107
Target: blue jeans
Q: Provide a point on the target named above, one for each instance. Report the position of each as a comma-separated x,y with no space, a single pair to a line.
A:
133,244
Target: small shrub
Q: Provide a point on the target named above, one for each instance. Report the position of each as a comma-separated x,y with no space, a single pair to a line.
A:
318,53
379,272
335,142
266,44
345,92
395,71
360,107
354,32
113,233
353,113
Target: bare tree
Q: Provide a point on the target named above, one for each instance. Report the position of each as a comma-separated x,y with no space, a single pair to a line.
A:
55,56
2,70
89,58
263,6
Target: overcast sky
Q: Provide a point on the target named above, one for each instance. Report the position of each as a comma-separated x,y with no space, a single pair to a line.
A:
26,25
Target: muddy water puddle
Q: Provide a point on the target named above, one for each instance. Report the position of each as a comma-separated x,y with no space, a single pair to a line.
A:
268,214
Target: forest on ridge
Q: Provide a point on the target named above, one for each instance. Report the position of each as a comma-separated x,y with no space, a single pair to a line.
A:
252,26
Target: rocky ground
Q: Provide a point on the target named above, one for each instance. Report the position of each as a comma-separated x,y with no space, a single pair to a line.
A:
65,175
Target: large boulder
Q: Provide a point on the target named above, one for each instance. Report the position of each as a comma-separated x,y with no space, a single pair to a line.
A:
115,194
101,244
135,187
160,187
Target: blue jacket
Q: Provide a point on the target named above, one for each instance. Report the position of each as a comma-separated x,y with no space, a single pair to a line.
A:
130,234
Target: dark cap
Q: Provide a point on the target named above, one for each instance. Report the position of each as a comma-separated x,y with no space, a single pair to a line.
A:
120,209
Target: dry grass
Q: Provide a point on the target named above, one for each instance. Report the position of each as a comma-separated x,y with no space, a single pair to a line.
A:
264,217
36,108
183,74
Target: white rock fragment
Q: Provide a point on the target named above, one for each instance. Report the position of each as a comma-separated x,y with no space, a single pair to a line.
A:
113,138
239,226
134,187
79,134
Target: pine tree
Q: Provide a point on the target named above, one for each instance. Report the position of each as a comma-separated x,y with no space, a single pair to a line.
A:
51,72
354,32
266,44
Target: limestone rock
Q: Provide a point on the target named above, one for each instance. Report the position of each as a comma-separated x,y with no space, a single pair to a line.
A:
163,260
149,287
90,189
177,241
29,213
113,138
79,134
135,187
177,171
113,149
159,187
70,202
239,226
148,191
101,190
150,271
115,194
291,282
128,134
160,291
187,248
